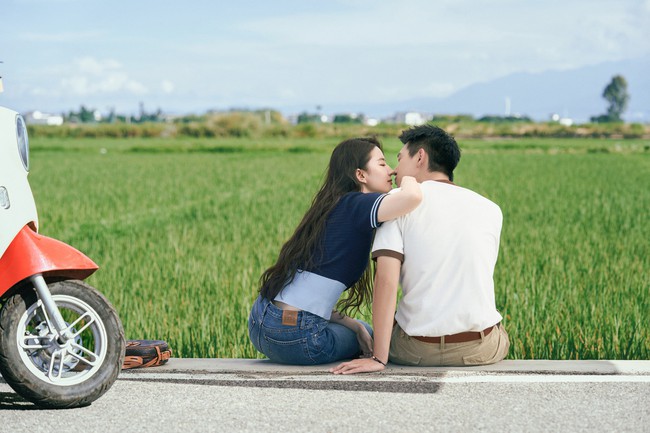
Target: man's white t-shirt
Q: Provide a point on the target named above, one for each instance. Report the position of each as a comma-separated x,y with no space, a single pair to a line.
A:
449,246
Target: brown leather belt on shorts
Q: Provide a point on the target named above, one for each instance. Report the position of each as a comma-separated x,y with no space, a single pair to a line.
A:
456,338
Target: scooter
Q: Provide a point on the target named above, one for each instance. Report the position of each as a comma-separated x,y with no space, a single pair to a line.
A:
61,341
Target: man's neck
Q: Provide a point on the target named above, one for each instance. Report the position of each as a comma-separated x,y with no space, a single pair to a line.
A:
432,175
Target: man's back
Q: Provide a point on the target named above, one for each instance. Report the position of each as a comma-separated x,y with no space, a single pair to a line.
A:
450,245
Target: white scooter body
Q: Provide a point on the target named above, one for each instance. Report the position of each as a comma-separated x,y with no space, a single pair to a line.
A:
17,206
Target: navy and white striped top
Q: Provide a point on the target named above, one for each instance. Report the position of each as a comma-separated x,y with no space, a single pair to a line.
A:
346,247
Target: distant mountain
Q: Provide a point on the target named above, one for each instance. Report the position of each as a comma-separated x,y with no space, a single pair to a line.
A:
574,93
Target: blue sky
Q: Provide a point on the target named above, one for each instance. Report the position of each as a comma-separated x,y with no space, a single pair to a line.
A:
197,55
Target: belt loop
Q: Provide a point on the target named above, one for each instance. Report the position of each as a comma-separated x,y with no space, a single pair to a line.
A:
266,307
302,323
482,336
442,342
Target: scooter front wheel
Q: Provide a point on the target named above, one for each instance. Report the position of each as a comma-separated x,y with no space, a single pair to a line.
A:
54,370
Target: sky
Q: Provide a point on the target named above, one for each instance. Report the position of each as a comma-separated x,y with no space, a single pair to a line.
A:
294,55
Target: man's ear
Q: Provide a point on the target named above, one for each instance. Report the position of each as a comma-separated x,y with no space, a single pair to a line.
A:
361,175
421,156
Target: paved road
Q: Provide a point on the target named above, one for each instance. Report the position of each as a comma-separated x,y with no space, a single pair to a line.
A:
237,395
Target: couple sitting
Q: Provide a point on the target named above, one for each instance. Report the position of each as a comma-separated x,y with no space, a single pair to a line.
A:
439,240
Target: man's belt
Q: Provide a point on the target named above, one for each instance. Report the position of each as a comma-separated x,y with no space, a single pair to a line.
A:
456,338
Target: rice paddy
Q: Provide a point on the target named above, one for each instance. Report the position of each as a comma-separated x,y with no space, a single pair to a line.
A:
182,230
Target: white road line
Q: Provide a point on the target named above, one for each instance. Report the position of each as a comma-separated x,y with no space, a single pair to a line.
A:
546,379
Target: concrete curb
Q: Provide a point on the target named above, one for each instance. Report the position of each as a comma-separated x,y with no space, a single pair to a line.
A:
510,367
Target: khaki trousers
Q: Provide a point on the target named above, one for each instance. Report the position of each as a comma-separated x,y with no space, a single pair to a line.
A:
489,349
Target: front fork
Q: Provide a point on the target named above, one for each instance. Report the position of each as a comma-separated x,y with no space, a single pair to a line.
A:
53,316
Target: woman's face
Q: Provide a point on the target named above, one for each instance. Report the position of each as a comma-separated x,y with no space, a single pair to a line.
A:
376,177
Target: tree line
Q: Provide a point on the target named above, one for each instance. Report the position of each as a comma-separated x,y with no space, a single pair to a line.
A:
615,93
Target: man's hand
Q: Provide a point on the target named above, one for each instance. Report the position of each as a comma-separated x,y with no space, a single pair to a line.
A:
363,365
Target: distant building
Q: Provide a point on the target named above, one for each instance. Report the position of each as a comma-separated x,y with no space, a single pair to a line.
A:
411,118
40,118
565,121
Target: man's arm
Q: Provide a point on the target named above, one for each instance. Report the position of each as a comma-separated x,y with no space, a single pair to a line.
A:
383,311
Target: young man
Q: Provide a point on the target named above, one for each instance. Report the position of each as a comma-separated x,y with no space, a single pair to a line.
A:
443,253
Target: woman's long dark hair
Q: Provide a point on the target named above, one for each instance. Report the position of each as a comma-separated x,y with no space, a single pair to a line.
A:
299,251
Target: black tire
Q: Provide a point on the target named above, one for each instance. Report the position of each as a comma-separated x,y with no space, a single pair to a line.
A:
83,375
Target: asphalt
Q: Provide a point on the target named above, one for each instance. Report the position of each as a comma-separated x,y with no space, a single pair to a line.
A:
240,395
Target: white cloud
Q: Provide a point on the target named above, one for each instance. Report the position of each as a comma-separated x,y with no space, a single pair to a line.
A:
93,66
88,76
167,86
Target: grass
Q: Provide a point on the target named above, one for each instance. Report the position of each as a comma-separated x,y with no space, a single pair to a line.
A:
182,230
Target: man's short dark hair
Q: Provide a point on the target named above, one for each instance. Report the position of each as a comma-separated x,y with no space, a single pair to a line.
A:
441,147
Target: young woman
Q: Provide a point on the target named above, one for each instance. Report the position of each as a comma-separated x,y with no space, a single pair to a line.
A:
292,321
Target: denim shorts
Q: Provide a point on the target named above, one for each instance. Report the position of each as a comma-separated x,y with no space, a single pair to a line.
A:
313,340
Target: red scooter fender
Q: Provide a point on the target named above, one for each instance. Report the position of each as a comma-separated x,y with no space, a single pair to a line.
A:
30,254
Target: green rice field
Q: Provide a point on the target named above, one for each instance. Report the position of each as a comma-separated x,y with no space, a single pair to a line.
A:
182,230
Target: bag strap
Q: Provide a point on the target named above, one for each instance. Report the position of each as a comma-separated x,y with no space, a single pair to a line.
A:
138,361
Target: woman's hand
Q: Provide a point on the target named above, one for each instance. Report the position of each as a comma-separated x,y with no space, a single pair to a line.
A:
363,336
408,182
400,202
363,365
364,339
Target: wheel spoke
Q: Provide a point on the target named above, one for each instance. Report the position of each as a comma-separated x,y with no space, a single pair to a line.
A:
90,322
25,344
61,359
86,351
50,325
50,372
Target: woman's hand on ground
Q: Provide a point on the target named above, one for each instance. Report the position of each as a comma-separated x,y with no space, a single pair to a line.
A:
362,365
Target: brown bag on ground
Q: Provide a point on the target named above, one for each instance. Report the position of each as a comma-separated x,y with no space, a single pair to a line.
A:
146,353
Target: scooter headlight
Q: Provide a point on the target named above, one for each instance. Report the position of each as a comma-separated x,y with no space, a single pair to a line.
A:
23,141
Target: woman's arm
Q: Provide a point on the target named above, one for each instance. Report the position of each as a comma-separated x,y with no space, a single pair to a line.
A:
400,202
363,336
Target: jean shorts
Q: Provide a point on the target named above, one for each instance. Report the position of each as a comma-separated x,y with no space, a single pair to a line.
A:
312,340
